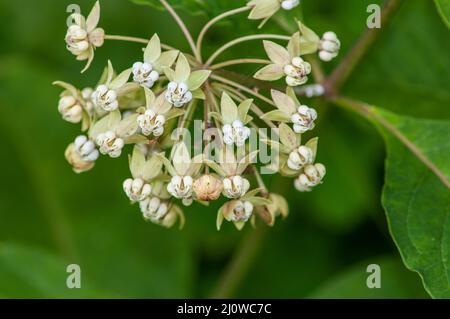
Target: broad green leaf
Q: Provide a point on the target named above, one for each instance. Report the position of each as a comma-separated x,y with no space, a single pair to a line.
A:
443,7
417,200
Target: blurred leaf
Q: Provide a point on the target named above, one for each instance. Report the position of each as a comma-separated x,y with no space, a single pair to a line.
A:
195,7
346,146
390,75
396,282
417,201
443,7
110,240
29,272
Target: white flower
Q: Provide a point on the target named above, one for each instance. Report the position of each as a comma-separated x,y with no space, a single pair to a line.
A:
178,94
136,189
144,74
242,211
304,119
150,122
181,187
313,90
154,209
297,72
235,187
289,4
70,109
81,154
83,36
299,157
105,98
311,177
86,93
236,133
110,144
86,149
77,40
329,46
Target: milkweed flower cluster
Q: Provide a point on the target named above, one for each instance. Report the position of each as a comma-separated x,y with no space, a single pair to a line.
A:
139,109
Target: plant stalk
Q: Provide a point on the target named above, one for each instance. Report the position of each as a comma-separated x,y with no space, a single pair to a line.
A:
211,23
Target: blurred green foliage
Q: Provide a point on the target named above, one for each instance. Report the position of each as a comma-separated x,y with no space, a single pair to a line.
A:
51,217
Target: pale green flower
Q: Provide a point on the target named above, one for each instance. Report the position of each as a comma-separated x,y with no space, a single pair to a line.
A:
83,36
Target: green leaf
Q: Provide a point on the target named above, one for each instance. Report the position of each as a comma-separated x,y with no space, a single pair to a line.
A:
443,7
416,196
390,67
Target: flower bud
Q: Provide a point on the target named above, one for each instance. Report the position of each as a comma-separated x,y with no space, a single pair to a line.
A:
154,209
236,133
289,4
136,189
304,119
77,40
144,74
81,38
235,187
105,98
81,154
178,94
300,157
181,187
329,46
297,72
151,123
86,94
242,211
110,144
207,188
311,177
70,109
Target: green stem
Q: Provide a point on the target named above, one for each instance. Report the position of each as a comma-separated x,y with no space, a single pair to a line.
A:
244,39
183,28
135,40
243,88
214,21
240,264
238,61
184,123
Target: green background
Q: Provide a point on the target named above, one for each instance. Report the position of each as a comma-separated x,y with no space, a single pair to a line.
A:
50,217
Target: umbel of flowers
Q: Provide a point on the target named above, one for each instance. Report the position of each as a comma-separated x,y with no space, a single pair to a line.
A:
137,109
